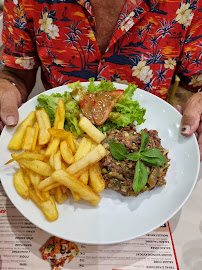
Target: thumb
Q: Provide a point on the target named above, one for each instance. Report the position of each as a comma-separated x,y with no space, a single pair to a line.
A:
192,115
9,106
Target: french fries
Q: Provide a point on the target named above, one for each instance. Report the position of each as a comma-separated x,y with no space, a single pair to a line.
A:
46,182
27,156
44,124
59,133
66,152
20,184
26,177
37,166
75,185
96,181
70,142
57,161
54,162
83,149
34,177
92,157
48,207
60,115
60,197
17,139
36,132
91,130
28,138
58,124
52,147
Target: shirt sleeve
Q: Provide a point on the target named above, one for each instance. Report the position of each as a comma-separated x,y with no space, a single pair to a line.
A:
189,67
18,37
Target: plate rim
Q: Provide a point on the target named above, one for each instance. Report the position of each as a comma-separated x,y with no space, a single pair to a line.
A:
50,91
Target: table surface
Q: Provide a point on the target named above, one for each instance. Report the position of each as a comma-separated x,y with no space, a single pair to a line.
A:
186,227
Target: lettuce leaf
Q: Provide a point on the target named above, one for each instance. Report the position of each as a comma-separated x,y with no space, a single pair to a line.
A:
125,111
77,85
72,115
102,86
72,110
128,93
50,103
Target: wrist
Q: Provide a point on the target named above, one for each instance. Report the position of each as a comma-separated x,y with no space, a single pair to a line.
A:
12,82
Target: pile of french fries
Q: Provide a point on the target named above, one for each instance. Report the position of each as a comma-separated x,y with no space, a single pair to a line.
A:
53,161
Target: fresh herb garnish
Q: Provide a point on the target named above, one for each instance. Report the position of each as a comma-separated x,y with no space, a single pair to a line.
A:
151,157
118,150
140,177
133,156
144,140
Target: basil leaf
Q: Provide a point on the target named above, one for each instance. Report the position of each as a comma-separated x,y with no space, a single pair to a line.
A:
140,177
133,156
152,161
118,150
144,140
153,157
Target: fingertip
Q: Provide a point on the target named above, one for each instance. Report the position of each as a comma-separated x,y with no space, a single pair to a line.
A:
10,117
189,124
9,107
11,121
9,114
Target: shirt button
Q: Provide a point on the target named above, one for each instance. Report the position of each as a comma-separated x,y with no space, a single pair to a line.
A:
103,61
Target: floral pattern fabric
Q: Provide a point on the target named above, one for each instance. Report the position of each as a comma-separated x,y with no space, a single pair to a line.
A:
153,40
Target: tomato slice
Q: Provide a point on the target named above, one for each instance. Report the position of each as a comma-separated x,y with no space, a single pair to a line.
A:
116,94
103,104
86,107
97,106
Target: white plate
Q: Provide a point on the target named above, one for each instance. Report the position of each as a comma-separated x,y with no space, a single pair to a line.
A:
118,218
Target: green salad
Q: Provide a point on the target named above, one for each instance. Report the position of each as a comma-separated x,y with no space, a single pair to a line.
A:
124,111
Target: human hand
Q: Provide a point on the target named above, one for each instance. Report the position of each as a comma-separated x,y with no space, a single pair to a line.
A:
192,118
10,100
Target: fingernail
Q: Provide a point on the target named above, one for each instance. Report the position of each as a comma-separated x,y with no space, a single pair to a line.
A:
10,121
185,129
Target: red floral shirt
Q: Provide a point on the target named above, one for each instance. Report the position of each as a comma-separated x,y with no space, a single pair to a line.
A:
151,41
